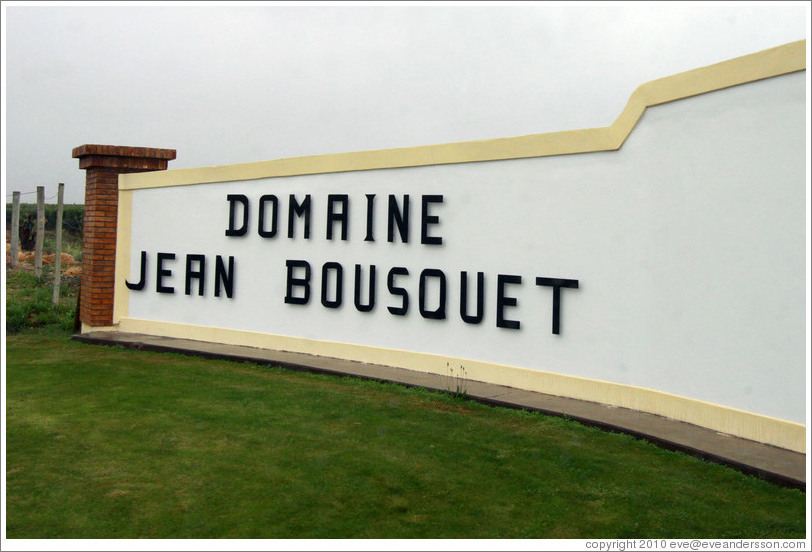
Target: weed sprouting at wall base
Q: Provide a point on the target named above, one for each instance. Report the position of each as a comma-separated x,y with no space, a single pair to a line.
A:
457,381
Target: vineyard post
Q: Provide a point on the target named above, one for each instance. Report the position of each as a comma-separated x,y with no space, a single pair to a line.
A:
40,230
58,255
15,228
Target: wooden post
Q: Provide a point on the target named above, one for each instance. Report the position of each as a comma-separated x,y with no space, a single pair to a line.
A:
15,228
40,230
58,256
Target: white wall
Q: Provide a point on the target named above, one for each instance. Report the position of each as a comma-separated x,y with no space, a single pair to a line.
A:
688,244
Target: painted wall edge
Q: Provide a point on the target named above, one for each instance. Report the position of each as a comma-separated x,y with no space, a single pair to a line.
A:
772,62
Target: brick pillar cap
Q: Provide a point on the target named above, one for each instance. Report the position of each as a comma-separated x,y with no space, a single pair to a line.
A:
123,151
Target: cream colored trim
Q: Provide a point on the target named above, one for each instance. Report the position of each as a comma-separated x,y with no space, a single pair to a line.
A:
760,65
121,303
763,429
88,329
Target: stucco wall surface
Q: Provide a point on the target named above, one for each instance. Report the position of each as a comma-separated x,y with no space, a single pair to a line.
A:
688,244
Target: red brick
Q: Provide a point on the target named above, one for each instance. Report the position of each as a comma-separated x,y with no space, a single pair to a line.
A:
103,165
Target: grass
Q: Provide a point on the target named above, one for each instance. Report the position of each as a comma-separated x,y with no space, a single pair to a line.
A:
71,244
29,301
111,443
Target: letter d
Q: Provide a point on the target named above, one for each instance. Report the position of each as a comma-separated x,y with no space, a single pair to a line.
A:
233,199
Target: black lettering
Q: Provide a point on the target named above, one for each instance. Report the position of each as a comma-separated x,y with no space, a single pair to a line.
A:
159,283
399,218
299,210
341,217
339,271
480,298
199,274
439,312
292,281
370,212
143,280
503,301
427,219
370,304
224,277
395,290
557,284
274,213
233,199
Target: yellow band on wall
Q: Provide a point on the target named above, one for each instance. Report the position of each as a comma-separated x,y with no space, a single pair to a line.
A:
121,300
760,65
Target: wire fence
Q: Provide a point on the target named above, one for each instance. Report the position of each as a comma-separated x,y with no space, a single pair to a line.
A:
72,215
11,195
29,224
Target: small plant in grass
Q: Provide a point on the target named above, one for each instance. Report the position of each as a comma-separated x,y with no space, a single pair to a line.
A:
73,247
48,242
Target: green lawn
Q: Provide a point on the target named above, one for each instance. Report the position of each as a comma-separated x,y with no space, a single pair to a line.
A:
112,443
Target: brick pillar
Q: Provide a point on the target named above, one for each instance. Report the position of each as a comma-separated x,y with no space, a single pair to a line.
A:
103,165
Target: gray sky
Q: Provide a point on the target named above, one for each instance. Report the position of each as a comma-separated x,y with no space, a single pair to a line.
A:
240,83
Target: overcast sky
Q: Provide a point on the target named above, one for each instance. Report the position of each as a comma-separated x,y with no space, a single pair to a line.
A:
241,83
